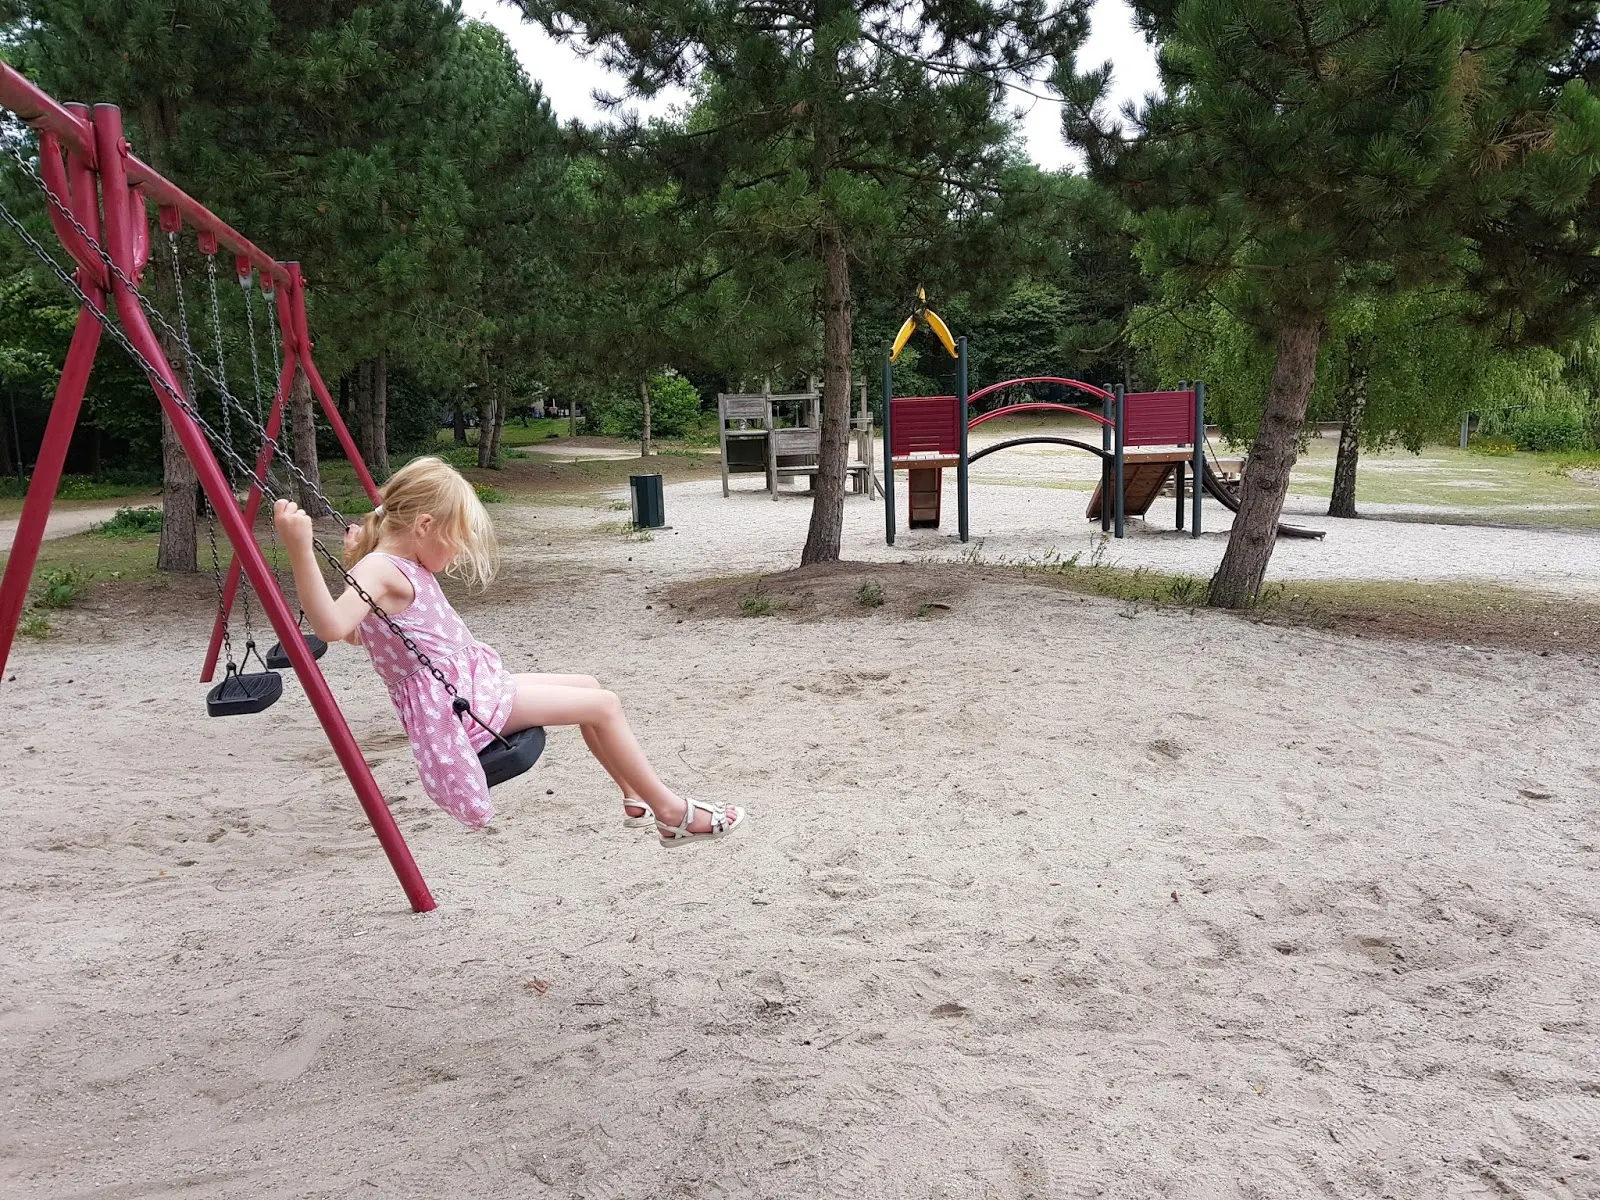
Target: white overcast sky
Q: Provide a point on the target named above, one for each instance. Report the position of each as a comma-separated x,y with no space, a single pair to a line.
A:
570,81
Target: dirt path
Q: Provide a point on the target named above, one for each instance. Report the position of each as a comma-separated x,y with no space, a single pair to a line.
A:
66,519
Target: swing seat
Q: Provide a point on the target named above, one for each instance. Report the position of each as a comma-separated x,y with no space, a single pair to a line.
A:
501,763
278,657
242,693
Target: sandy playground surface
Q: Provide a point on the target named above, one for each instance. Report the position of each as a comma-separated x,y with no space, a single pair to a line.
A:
1043,897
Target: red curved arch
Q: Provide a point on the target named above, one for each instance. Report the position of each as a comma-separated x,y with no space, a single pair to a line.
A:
1097,392
1035,406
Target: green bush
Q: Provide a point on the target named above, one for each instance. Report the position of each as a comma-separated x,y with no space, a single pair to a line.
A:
1549,429
131,522
674,410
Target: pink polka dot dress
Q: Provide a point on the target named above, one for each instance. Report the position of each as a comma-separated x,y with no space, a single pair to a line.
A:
446,748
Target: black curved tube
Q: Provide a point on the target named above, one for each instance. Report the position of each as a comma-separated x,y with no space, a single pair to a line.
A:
1040,439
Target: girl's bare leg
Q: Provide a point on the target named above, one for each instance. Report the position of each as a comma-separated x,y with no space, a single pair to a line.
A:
630,793
599,714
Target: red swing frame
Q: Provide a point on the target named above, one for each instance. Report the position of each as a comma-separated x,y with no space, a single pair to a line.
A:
85,161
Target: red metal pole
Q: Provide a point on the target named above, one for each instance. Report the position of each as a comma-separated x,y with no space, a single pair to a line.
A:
76,187
46,474
120,241
252,506
297,301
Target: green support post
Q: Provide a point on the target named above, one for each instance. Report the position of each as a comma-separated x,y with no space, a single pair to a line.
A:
1199,452
888,451
1105,466
1122,430
961,465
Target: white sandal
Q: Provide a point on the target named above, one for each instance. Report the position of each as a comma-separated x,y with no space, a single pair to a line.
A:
724,820
645,821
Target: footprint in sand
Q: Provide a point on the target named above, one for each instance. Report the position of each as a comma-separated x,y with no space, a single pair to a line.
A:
295,1058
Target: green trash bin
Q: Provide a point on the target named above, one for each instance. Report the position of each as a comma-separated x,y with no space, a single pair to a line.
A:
649,506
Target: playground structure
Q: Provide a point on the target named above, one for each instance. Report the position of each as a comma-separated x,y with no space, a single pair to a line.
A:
1147,439
755,441
97,195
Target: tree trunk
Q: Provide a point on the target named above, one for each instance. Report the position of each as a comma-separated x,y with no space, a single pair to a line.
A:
644,402
1352,407
180,487
460,422
303,426
179,499
486,410
361,417
379,462
827,507
6,465
1237,583
499,429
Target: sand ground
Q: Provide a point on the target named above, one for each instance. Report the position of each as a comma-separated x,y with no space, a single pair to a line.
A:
1043,896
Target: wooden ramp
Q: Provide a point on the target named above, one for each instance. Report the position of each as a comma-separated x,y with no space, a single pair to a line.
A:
1142,482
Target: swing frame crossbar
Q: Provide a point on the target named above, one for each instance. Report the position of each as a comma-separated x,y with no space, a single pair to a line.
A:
86,162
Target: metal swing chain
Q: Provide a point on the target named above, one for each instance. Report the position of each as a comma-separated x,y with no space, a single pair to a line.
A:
211,522
247,283
227,419
459,705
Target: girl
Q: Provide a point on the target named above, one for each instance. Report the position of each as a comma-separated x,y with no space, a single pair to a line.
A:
430,521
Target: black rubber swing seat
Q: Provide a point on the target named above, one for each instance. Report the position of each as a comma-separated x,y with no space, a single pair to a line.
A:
242,693
501,763
278,657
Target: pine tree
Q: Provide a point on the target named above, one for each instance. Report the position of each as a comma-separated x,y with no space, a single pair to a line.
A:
154,58
1301,150
828,133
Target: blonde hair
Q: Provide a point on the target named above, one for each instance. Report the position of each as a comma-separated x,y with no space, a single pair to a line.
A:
431,487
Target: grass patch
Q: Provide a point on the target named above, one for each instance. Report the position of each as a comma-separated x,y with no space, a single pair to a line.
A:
1458,613
78,487
757,604
1480,485
34,624
131,522
488,494
88,560
870,594
60,587
627,531
515,433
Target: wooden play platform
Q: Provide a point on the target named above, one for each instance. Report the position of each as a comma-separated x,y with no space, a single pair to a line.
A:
756,441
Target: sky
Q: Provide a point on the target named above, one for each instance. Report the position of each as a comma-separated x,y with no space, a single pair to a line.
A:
570,81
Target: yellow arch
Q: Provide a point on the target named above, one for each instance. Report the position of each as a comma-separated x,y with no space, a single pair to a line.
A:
920,314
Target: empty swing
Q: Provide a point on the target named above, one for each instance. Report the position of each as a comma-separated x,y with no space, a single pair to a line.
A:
242,691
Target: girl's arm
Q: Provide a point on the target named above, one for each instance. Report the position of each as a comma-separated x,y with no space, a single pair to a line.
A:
335,620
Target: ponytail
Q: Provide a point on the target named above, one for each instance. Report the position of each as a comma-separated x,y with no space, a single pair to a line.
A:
366,539
431,487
